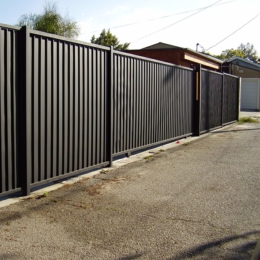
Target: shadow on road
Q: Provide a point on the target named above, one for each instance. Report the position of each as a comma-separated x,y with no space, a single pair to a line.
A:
205,250
130,257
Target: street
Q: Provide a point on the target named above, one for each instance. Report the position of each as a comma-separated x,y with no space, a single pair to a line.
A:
199,200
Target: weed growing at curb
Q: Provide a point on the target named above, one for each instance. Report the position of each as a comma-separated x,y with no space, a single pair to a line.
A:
147,157
104,171
247,120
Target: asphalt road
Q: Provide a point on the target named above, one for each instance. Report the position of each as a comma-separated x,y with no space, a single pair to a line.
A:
200,200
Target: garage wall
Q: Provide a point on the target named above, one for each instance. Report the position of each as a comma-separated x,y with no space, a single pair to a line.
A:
250,93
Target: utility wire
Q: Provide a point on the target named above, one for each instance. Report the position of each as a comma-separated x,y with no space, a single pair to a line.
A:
177,21
234,32
157,18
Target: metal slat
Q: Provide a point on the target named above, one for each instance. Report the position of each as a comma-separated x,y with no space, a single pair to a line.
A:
60,107
75,148
102,106
90,106
94,108
48,103
8,111
35,112
14,115
2,111
54,110
98,89
71,109
66,108
85,109
41,126
80,107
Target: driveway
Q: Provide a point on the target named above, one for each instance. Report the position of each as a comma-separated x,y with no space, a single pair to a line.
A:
250,113
200,200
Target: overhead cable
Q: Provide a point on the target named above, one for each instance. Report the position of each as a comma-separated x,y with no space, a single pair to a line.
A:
157,18
185,18
234,32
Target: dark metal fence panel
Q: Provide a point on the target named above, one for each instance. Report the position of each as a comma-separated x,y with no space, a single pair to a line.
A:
230,95
152,101
66,108
8,145
211,100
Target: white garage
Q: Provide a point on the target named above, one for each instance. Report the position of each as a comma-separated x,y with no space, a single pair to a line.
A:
250,94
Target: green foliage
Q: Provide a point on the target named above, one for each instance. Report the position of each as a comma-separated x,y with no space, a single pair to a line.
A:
248,120
246,51
50,21
229,53
108,39
249,51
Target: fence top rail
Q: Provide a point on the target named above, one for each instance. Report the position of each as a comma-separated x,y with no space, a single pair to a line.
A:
12,27
229,75
151,60
65,39
211,71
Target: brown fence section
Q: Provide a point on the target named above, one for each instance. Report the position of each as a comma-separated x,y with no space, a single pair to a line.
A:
230,98
211,100
153,102
68,106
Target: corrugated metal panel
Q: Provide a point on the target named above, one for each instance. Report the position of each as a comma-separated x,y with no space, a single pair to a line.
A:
153,102
72,95
211,100
230,98
8,169
68,96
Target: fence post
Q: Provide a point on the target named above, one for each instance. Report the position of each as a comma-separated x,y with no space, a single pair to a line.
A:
222,98
23,77
110,109
197,100
238,97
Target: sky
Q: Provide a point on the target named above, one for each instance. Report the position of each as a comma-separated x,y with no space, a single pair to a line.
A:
182,23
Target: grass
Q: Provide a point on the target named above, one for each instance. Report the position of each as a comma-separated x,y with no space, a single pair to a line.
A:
247,120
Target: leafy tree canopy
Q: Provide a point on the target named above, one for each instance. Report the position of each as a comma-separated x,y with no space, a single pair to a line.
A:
50,21
246,51
106,38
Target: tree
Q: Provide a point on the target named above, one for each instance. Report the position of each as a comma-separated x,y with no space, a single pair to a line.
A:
50,21
229,53
249,51
246,51
108,39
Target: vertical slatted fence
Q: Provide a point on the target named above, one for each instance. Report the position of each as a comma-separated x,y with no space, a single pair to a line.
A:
153,102
68,106
8,54
211,100
230,99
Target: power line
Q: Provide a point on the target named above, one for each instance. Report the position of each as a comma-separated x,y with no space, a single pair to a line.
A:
157,18
234,32
177,22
